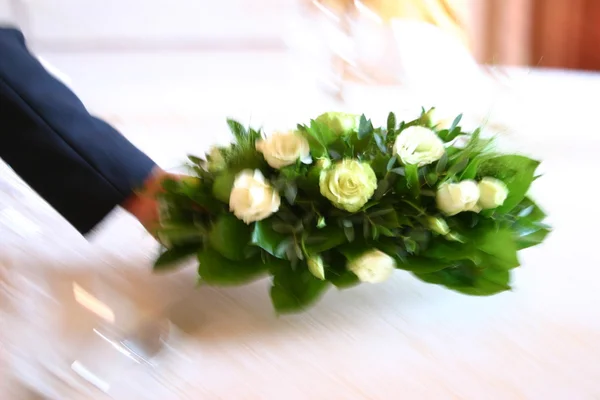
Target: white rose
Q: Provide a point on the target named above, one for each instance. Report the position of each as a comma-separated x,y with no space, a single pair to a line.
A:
453,198
282,149
418,145
349,184
252,198
374,266
315,266
492,193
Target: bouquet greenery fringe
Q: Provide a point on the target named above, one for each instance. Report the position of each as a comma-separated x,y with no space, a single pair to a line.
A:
339,202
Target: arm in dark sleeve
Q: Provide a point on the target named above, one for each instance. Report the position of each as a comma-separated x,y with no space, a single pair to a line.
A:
77,163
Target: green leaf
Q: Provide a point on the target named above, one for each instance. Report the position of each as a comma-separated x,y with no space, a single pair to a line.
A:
471,171
169,258
344,280
222,186
412,179
179,234
290,192
328,238
392,248
337,273
458,166
528,210
230,237
382,187
501,245
180,194
349,232
391,122
326,134
456,122
486,245
379,164
365,127
294,290
214,269
448,135
517,173
353,250
469,279
431,178
441,164
267,239
237,129
195,160
532,239
319,136
420,264
391,163
449,252
398,171
379,212
380,142
410,245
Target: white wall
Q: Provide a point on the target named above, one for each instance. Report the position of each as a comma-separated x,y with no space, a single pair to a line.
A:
5,11
146,23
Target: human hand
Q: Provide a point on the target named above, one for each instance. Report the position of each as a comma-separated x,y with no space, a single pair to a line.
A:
143,203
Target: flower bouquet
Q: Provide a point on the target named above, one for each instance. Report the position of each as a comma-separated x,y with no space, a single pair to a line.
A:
339,202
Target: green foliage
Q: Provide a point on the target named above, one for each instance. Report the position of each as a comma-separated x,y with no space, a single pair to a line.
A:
222,186
325,239
391,122
265,237
214,269
230,237
237,129
180,234
169,257
337,273
475,257
319,137
528,227
365,127
412,179
467,278
294,289
517,172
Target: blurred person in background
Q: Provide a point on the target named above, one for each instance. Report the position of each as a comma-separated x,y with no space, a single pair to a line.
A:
78,163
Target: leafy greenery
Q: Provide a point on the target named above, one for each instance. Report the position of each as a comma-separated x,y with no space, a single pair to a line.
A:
294,290
467,278
469,252
169,257
229,236
214,269
517,172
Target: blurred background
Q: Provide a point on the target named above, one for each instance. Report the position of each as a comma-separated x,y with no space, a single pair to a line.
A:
155,66
166,73
552,33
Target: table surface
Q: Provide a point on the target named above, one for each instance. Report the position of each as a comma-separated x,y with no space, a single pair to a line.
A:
399,339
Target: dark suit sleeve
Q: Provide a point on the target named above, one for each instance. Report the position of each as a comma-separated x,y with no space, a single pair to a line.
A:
77,163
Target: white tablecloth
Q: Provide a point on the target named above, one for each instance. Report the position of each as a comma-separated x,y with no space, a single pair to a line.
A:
400,339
